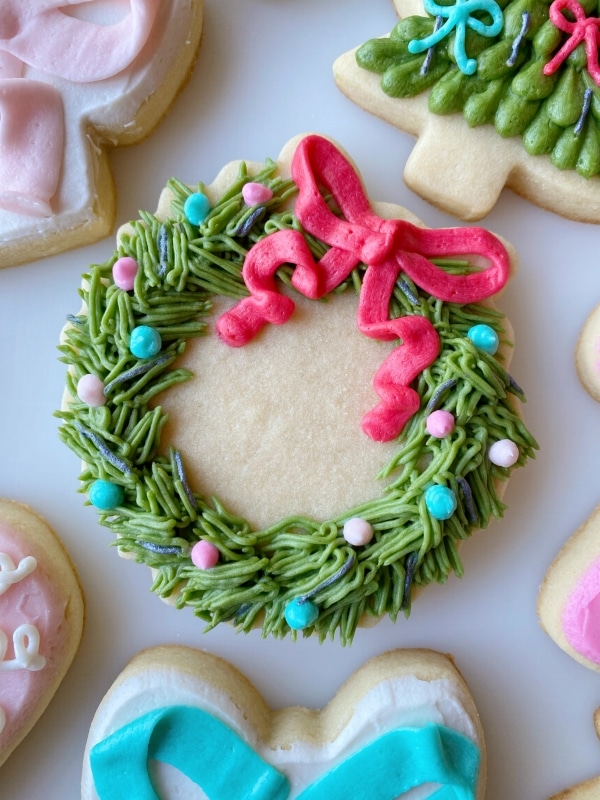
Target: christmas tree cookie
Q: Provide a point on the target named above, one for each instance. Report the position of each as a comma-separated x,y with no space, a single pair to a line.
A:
220,467
498,93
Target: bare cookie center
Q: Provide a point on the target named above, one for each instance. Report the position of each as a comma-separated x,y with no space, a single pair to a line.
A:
273,429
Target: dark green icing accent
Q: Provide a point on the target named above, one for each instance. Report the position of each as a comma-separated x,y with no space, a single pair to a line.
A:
518,99
259,572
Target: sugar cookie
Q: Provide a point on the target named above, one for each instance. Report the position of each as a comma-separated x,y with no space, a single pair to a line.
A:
589,790
495,96
239,501
41,620
569,597
96,76
403,721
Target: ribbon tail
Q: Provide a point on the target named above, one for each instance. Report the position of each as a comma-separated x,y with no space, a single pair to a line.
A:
420,347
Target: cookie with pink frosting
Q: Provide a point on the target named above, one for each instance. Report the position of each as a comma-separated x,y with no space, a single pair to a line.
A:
402,722
71,85
569,598
41,620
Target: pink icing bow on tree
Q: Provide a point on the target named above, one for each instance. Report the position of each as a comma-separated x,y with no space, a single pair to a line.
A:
388,248
583,28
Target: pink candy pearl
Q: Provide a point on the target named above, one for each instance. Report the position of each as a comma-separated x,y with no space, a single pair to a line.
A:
358,531
440,423
90,390
204,554
503,453
256,193
124,272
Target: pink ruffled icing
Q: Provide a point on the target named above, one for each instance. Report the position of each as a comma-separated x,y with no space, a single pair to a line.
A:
39,33
42,35
581,615
34,601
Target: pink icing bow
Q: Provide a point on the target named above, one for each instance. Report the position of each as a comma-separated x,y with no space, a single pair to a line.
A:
388,248
583,28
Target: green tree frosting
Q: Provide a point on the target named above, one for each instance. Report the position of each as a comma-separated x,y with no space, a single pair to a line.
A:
556,115
181,267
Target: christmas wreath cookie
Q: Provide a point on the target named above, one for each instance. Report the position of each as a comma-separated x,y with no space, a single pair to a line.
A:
426,449
569,598
404,721
41,620
498,93
73,83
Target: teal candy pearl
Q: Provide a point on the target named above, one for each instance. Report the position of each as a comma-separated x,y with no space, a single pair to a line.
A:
484,337
145,342
440,501
196,208
300,613
106,495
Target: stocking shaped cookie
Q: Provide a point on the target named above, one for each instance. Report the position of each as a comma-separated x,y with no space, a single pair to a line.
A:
497,94
41,619
72,82
405,721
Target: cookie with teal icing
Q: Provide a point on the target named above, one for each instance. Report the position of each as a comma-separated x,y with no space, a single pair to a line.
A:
229,345
178,720
497,93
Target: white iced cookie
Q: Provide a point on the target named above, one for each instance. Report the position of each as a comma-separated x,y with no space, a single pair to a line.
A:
496,82
405,722
73,82
41,620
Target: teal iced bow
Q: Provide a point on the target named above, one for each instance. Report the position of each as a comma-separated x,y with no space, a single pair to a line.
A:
217,759
459,17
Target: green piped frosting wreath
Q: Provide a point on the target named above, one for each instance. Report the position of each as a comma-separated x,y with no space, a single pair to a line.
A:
181,267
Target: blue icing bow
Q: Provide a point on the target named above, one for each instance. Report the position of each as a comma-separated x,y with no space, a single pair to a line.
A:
218,760
459,16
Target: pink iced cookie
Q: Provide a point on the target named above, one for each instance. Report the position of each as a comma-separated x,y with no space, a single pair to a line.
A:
41,620
70,84
569,599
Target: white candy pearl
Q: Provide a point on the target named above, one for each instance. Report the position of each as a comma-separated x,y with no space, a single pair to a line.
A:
90,391
358,531
503,453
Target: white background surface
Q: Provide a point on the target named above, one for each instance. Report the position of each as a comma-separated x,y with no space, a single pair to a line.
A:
264,75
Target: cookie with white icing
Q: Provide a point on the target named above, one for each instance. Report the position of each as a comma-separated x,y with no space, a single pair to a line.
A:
41,620
73,84
404,721
569,597
496,94
312,464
